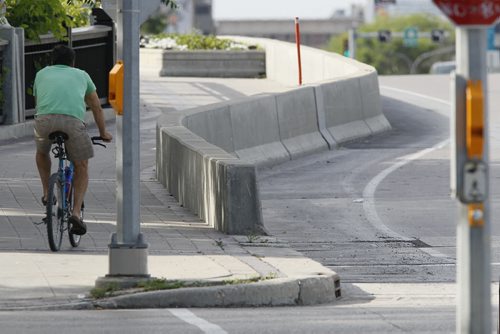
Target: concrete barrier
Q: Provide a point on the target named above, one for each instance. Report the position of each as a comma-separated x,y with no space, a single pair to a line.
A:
298,122
206,63
207,156
343,109
372,108
256,133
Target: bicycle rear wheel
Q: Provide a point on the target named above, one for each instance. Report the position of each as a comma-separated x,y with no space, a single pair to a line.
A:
74,239
55,214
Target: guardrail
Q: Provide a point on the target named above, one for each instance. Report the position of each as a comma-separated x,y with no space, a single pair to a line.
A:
95,52
207,157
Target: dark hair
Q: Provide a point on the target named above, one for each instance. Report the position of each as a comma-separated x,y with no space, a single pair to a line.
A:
63,55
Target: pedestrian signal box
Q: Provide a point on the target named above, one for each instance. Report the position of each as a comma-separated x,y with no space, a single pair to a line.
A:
474,120
115,95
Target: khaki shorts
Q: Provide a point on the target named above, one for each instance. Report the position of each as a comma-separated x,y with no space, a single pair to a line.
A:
78,145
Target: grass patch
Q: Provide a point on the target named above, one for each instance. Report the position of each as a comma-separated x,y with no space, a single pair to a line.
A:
161,284
106,291
157,284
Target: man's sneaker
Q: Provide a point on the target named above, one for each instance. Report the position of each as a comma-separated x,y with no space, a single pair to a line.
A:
77,226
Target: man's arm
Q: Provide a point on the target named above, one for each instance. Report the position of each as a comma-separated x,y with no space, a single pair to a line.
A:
93,102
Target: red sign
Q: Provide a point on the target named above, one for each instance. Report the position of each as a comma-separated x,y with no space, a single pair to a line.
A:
470,12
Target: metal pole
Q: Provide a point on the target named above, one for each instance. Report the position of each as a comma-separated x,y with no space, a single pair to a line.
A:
297,41
128,251
352,43
473,244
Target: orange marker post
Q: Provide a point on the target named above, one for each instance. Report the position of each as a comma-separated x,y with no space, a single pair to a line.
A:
297,41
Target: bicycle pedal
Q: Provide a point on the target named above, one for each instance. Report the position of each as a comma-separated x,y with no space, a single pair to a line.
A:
44,221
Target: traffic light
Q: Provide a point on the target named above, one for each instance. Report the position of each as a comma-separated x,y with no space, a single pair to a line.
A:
345,47
437,35
384,36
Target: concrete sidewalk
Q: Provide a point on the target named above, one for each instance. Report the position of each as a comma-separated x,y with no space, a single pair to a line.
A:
181,246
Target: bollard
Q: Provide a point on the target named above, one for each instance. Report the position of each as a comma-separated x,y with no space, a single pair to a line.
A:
297,41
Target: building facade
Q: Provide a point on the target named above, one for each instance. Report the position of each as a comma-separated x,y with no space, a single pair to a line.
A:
315,33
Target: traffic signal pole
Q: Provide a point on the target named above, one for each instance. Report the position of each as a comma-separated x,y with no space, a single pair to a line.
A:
352,43
128,252
470,181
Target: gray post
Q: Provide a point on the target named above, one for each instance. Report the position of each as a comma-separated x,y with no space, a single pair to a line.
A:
13,108
352,43
473,244
128,251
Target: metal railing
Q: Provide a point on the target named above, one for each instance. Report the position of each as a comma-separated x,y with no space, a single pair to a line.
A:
94,47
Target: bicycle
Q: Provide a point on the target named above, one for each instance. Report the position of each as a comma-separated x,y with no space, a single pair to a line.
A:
60,195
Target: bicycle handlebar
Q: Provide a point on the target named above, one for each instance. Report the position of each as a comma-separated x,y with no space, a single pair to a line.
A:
97,138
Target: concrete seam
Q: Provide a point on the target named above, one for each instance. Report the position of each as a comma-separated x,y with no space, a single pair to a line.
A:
279,127
330,147
299,300
363,105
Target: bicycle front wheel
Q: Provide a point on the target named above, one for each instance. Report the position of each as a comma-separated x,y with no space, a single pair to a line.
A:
55,212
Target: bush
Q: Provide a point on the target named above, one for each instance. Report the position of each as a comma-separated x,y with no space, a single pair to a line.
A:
192,42
38,17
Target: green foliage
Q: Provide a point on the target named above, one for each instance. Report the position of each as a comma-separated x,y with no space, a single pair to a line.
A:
201,42
161,284
171,3
106,291
394,57
39,17
157,23
154,25
79,10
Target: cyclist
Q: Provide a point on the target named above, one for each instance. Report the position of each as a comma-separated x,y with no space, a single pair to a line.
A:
61,92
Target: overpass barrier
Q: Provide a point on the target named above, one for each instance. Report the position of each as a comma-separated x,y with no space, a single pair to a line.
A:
207,157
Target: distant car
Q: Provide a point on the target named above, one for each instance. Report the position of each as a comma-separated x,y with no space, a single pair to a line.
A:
443,67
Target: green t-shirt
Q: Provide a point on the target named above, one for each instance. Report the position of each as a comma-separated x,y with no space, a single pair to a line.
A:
61,89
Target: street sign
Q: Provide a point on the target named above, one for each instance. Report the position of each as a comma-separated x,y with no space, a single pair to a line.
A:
470,12
410,37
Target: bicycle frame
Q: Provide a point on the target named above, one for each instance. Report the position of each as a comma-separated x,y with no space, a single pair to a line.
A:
61,195
64,163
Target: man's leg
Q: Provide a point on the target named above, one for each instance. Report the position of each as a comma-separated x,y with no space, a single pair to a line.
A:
80,183
43,163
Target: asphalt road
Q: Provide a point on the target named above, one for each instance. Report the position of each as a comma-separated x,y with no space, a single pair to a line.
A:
377,211
299,320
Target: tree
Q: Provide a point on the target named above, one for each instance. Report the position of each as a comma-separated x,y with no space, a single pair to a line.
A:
38,17
43,16
393,57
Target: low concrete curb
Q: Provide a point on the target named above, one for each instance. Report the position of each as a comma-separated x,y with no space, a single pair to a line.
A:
321,289
275,292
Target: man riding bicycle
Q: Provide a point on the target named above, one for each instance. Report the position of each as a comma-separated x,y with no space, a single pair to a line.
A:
61,94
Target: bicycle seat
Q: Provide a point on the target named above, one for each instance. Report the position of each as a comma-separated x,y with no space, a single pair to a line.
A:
56,134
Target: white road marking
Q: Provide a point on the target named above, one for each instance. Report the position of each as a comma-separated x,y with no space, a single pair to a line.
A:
212,91
189,317
416,94
371,187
